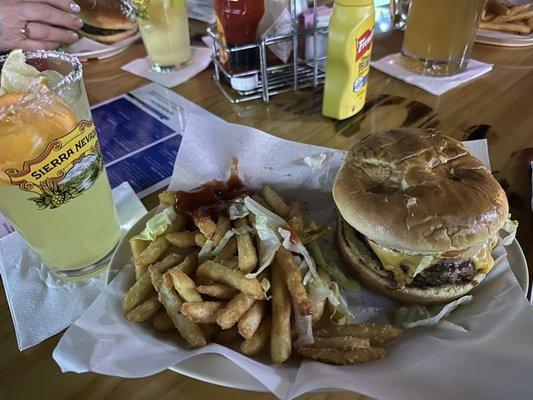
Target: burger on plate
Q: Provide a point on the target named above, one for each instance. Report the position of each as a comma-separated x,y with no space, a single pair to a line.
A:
419,215
104,21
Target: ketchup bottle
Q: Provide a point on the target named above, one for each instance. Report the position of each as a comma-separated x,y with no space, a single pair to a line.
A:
237,22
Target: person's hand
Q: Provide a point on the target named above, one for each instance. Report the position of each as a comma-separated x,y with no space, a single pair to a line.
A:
38,24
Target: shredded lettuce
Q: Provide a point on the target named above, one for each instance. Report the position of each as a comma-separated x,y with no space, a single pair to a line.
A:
265,285
269,243
509,227
238,210
304,327
413,316
223,242
206,251
341,313
329,260
298,247
257,209
157,225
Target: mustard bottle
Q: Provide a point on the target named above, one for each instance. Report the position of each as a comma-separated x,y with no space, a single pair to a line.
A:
348,61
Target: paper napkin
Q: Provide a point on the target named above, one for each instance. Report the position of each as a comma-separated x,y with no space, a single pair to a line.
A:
41,305
200,60
437,85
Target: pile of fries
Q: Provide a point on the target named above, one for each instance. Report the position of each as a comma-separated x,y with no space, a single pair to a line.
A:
507,17
220,297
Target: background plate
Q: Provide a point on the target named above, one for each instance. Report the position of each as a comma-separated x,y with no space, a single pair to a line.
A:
216,369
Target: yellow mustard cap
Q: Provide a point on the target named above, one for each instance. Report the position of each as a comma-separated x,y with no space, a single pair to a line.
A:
355,3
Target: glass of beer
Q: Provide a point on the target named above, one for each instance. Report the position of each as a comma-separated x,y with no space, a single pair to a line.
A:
53,185
164,29
440,35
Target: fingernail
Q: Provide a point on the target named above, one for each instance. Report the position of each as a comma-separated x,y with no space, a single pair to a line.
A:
75,7
75,36
79,22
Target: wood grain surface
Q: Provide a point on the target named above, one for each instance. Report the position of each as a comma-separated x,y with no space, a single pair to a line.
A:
497,107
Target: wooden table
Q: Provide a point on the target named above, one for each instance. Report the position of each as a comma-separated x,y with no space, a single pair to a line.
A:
496,107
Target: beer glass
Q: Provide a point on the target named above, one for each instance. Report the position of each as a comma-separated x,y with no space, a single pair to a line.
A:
440,35
53,185
164,29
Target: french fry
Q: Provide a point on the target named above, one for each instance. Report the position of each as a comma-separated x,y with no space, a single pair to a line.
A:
251,320
200,239
276,202
342,357
153,252
223,225
313,234
145,310
167,197
234,310
155,277
293,278
227,336
530,23
218,291
378,334
520,16
205,224
143,287
229,250
189,264
184,285
318,305
280,337
137,247
202,312
231,277
245,248
162,322
295,218
182,239
519,9
259,340
341,343
189,330
505,27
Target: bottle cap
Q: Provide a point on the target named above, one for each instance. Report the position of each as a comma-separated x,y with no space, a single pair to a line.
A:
243,83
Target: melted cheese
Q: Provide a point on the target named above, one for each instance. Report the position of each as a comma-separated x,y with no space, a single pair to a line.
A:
393,260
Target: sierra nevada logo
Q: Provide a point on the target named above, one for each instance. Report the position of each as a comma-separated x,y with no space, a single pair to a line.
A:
67,168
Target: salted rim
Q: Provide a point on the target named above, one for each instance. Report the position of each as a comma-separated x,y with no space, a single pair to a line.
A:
73,76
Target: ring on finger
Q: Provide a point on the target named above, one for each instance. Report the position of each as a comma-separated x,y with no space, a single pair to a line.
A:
25,31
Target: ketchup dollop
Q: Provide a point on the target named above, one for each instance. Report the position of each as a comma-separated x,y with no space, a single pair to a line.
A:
212,198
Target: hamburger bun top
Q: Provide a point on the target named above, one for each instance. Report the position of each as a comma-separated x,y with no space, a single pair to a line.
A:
105,14
418,191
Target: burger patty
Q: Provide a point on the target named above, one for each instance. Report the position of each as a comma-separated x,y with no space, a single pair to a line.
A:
93,30
445,273
442,273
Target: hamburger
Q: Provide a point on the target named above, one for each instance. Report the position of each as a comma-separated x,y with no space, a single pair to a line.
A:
104,21
419,215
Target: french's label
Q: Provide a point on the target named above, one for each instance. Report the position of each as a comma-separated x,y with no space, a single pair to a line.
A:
363,44
67,167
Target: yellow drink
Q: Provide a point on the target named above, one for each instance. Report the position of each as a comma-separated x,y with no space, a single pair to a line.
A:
440,35
53,184
165,33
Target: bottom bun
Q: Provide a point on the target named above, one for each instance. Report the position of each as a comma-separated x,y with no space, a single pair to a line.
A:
407,295
108,39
